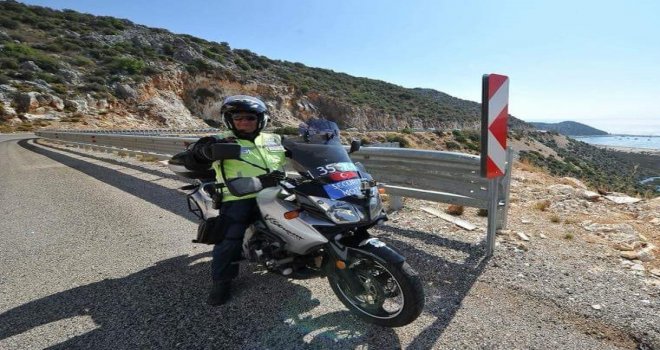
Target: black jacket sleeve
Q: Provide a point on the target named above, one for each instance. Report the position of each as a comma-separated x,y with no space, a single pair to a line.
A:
196,156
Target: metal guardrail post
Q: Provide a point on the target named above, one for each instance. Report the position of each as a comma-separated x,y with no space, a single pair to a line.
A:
506,188
492,216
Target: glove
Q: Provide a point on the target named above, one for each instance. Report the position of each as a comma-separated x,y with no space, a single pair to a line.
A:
271,179
201,150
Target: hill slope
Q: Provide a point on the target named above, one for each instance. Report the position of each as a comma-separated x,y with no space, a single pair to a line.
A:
64,66
569,128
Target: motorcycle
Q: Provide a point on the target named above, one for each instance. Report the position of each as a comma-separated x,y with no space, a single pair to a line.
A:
318,222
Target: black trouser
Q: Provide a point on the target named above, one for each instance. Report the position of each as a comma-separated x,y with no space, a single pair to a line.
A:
235,217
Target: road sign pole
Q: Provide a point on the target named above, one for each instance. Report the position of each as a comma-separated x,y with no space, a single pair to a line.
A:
492,216
494,119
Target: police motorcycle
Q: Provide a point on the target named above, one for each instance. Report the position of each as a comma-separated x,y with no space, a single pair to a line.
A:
318,221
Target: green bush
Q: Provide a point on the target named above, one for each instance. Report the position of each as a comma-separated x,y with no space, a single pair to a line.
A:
406,130
451,145
242,64
127,65
199,65
403,142
8,63
24,52
203,93
60,88
474,146
8,23
473,135
25,126
81,61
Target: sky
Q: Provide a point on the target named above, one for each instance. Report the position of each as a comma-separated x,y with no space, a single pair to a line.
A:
594,62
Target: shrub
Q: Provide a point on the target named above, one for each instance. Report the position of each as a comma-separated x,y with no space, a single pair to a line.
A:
461,139
241,64
568,236
168,49
203,93
26,53
406,130
94,87
473,135
8,23
455,210
474,146
8,63
555,218
542,205
403,142
60,88
127,65
25,126
451,145
199,65
81,61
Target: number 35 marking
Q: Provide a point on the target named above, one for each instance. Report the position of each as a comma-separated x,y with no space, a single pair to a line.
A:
330,168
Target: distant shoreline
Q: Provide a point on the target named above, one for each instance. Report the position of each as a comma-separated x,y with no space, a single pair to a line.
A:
624,143
650,151
610,135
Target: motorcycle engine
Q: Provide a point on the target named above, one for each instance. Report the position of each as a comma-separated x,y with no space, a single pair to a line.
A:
262,247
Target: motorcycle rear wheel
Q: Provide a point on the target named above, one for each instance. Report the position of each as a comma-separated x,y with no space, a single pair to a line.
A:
393,295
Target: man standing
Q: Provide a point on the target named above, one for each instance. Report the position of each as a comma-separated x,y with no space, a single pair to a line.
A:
262,156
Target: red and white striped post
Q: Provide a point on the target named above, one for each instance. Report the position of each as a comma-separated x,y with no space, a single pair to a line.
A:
494,117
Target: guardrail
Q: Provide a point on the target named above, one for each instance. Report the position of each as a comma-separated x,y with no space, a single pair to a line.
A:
446,177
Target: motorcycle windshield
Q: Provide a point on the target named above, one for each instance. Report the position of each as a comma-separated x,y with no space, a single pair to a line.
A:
318,153
319,159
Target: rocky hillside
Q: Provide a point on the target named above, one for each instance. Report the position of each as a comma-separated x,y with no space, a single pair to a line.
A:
63,68
569,128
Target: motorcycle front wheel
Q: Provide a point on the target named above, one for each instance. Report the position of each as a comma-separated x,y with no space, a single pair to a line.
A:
392,294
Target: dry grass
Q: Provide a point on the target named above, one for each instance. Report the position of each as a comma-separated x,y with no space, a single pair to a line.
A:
555,218
527,166
570,221
569,236
147,158
542,205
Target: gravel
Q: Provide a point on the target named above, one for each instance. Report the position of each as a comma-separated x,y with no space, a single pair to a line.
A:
95,253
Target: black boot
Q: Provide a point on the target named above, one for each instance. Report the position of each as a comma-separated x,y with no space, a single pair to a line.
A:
220,293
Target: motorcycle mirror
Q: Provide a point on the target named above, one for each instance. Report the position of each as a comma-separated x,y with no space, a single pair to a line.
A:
220,151
355,146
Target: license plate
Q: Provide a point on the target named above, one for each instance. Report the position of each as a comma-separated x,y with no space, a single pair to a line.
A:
343,189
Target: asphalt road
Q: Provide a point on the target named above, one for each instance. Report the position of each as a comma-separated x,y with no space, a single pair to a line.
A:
95,252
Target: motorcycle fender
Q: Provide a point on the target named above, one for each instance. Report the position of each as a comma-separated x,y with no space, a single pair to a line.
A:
378,248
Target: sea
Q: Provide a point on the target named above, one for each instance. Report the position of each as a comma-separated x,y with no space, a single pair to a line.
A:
634,141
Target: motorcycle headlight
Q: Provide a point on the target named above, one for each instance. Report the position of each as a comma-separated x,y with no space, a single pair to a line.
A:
339,212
